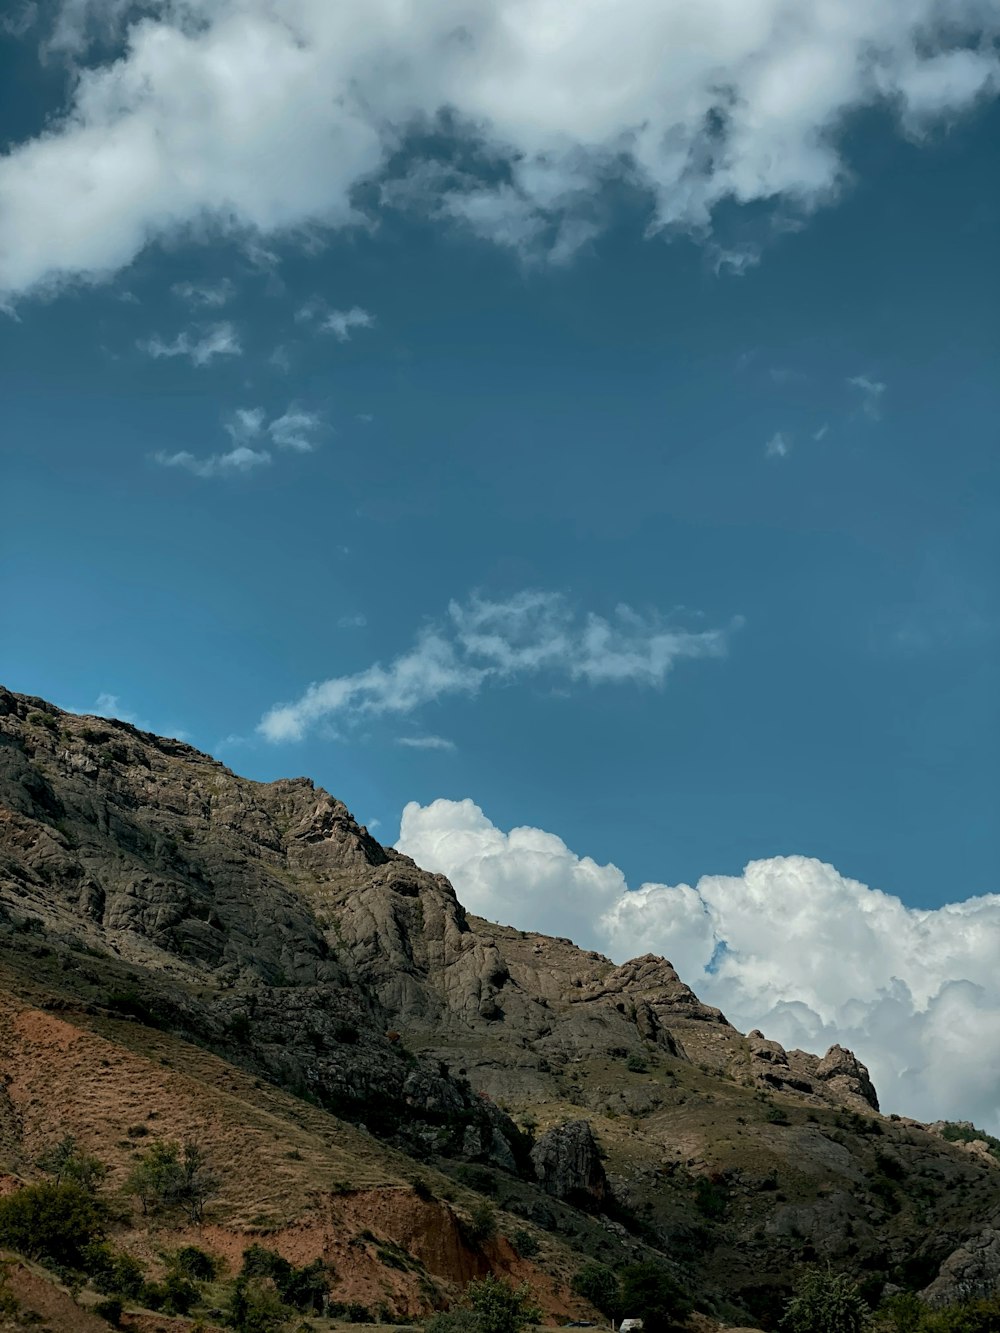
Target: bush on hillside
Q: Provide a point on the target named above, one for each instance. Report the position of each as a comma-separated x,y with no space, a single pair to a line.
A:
51,1222
825,1303
651,1294
597,1284
68,1164
256,1307
173,1175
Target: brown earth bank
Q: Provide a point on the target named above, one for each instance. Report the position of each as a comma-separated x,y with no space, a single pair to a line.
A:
186,955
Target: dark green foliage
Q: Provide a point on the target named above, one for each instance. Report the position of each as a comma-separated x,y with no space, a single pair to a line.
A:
776,1115
131,1004
67,1163
600,1286
526,1243
710,1198
636,1063
477,1178
353,1312
43,720
193,1263
454,1321
651,1294
499,1307
256,1307
422,1190
482,1224
113,1272
302,1288
51,1221
963,1132
825,1303
168,1175
111,1309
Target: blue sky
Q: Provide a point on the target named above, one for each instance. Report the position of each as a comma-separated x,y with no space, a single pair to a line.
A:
253,442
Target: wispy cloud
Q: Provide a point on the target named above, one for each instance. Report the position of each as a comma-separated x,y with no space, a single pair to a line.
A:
481,642
242,459
250,432
296,429
778,446
871,392
210,296
425,742
822,433
201,348
342,323
352,622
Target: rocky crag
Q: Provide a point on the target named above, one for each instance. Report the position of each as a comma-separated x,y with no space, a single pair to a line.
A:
247,954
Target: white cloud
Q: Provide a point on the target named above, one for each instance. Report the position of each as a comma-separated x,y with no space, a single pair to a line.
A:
358,621
425,742
790,946
871,392
202,349
778,446
822,432
484,641
207,295
296,429
241,459
110,706
258,118
342,323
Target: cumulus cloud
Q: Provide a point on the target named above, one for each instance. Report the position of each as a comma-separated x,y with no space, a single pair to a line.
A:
262,117
200,348
482,641
790,946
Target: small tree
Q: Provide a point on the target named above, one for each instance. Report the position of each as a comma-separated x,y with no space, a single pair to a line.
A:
650,1293
50,1221
170,1175
255,1307
825,1303
599,1285
67,1163
499,1307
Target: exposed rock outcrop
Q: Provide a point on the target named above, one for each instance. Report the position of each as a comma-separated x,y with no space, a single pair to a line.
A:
568,1164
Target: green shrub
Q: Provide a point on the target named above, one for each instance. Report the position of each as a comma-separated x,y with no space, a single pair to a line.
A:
598,1284
636,1063
111,1309
255,1307
482,1224
193,1263
51,1221
113,1272
68,1164
525,1243
710,1198
825,1303
170,1175
499,1307
302,1288
651,1294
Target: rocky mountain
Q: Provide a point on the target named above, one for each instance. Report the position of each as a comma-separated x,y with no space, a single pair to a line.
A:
192,952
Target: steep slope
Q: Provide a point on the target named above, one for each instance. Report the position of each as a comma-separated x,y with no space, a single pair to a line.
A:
149,895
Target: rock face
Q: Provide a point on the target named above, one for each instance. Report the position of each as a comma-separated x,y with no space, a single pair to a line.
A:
568,1165
143,883
973,1270
842,1071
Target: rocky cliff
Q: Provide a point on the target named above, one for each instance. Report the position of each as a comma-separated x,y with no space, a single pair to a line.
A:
146,889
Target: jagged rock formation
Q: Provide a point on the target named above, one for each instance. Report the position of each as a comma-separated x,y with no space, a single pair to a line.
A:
143,881
568,1164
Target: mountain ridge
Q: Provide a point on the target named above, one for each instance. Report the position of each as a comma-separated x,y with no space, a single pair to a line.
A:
180,903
